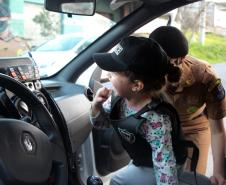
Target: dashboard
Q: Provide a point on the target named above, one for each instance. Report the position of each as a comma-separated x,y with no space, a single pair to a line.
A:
22,69
68,103
25,70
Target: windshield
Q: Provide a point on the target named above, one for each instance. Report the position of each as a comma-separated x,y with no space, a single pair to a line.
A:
52,39
59,44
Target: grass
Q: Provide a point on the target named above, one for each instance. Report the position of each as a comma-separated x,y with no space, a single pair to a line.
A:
213,51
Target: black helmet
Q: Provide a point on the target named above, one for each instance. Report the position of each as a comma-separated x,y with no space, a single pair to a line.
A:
172,41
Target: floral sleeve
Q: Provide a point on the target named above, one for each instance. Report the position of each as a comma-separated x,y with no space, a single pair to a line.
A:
101,120
157,132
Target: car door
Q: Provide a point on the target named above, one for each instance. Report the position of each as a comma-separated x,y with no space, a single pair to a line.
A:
109,153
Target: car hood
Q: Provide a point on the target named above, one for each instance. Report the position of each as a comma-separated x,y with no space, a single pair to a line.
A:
50,58
51,62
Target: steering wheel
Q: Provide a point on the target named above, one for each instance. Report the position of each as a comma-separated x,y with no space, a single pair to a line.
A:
30,155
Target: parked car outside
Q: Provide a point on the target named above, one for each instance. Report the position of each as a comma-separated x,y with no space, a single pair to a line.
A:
58,52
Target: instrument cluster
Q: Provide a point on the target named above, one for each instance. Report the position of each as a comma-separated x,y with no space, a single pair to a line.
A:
25,70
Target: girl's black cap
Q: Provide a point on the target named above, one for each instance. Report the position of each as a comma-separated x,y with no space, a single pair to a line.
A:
137,54
172,40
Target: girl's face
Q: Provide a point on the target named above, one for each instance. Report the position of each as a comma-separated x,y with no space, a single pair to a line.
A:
122,85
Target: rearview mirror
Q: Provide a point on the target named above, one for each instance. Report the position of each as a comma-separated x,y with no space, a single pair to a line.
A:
71,7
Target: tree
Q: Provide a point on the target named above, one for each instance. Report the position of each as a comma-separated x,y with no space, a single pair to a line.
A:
48,27
190,19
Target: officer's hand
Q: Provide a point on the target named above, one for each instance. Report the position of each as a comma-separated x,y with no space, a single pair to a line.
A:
217,180
100,97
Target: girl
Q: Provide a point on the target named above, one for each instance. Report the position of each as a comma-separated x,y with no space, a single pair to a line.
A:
138,68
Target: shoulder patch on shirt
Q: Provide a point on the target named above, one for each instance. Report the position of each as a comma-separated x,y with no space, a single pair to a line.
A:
192,109
218,92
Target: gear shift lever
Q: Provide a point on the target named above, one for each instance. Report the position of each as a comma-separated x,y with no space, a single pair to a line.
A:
94,180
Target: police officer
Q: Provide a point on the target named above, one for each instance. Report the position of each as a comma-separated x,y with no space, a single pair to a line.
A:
10,45
199,98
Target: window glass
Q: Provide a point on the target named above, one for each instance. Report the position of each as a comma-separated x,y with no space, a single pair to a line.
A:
61,44
53,39
203,24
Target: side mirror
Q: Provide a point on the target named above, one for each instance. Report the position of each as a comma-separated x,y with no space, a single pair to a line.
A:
71,7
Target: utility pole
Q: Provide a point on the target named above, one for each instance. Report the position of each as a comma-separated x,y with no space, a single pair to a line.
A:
202,25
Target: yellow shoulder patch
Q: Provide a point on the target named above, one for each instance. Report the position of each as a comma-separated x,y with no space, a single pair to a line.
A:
218,81
192,109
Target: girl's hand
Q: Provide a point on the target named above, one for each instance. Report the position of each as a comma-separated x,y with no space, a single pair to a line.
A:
100,97
217,180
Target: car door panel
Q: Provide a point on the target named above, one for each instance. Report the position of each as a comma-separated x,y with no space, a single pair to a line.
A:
110,155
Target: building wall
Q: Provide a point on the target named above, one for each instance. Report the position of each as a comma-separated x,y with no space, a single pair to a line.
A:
35,1
17,13
16,23
219,16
